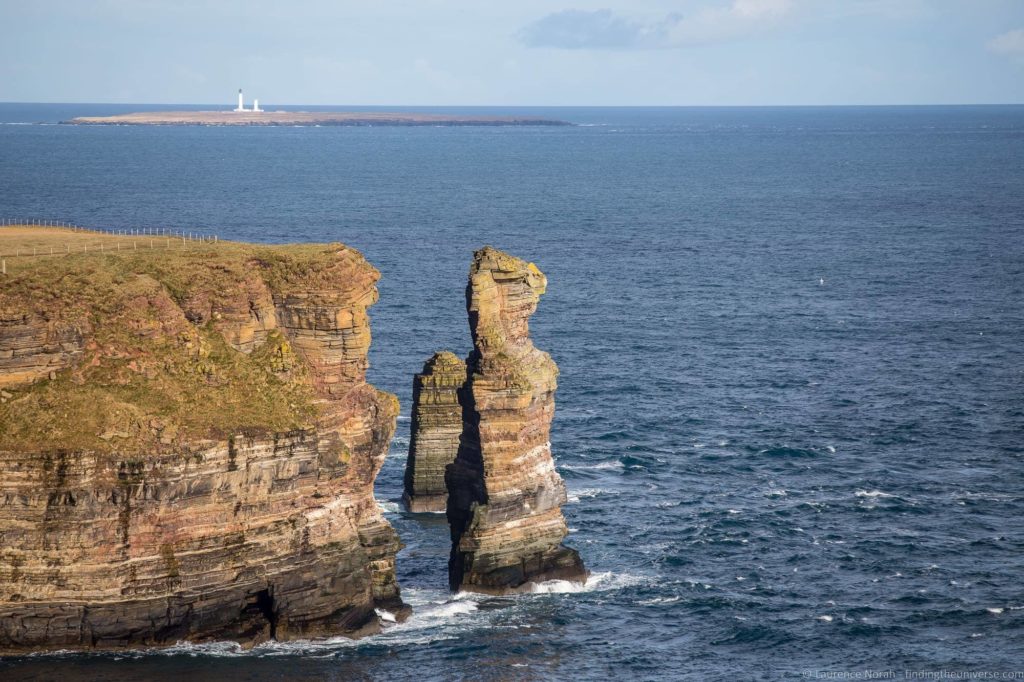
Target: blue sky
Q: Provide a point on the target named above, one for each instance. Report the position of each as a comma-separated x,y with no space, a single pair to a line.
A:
528,52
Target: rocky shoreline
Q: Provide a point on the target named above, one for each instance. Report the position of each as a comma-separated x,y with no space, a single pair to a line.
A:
188,448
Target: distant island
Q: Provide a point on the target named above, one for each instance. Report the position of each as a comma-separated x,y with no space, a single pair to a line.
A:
248,117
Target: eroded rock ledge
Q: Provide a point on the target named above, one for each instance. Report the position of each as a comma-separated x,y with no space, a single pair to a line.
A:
504,495
188,447
436,427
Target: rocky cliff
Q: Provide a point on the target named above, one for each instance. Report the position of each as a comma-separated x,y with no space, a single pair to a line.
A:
436,427
188,447
504,495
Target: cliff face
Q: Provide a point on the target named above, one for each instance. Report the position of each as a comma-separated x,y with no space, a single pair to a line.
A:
188,447
436,427
31,347
504,495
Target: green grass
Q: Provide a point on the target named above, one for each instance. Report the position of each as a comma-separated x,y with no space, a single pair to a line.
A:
150,379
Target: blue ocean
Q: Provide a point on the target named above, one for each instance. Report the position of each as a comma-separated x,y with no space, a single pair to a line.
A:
790,415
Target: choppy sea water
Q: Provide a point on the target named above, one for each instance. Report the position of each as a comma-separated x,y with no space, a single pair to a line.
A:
790,413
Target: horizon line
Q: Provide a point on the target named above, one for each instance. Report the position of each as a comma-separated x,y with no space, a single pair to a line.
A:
553,106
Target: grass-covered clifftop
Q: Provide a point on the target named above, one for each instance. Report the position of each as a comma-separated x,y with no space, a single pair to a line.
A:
162,342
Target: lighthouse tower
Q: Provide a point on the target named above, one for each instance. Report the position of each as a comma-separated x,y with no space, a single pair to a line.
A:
256,105
241,104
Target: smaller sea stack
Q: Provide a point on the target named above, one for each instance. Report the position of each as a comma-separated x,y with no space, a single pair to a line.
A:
504,495
436,427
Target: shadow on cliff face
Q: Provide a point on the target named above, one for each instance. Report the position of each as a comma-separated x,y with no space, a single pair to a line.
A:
259,614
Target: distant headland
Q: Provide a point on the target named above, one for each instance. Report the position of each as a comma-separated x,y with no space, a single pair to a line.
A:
240,116
249,117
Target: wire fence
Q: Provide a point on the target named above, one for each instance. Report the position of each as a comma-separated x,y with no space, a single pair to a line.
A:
109,240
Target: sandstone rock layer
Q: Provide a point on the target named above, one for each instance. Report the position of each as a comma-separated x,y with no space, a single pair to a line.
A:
504,495
177,521
436,427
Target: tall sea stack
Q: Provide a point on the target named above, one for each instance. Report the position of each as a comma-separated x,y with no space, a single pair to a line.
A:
436,427
504,495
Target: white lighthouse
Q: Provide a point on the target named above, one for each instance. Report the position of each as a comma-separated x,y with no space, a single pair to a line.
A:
241,103
256,105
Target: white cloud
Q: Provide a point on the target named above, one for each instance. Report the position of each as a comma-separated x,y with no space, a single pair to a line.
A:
604,29
717,24
1010,43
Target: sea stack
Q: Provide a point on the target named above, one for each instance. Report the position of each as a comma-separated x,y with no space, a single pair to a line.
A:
436,427
504,495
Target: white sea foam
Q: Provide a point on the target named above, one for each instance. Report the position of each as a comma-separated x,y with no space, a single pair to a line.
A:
396,635
871,493
612,464
827,619
576,496
596,582
995,610
388,507
659,600
558,587
449,610
201,649
409,633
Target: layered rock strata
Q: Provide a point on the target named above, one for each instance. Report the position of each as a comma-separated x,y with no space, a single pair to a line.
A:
32,346
504,495
140,518
436,427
